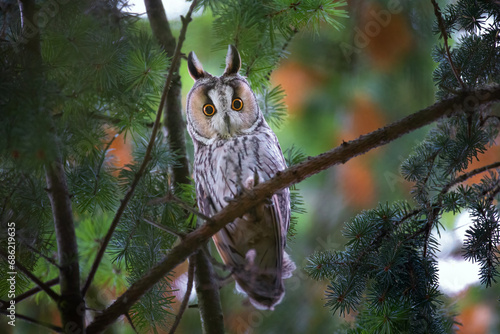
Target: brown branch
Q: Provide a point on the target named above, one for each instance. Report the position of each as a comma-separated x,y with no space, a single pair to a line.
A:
147,155
70,300
286,178
439,17
52,327
207,290
172,198
468,175
167,229
34,291
187,295
33,278
174,122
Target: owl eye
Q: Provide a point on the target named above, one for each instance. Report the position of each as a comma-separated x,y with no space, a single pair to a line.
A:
237,104
209,109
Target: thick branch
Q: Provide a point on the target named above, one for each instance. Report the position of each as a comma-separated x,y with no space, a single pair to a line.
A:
147,155
290,176
174,123
70,300
207,289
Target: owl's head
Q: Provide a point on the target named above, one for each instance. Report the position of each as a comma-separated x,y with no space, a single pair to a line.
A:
220,107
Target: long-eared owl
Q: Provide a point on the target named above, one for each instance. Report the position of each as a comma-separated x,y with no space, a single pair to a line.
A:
235,149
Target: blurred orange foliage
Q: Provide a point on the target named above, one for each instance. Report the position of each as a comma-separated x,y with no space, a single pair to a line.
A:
356,177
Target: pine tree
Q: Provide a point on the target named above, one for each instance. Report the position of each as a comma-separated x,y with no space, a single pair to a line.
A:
75,75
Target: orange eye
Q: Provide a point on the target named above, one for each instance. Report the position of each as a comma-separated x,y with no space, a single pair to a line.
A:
209,109
237,104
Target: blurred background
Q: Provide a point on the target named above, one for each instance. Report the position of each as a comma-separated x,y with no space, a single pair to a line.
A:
339,85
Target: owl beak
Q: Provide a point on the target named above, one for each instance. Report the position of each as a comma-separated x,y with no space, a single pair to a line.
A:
227,120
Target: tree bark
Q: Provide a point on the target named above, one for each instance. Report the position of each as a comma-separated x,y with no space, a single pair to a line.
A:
207,289
173,122
70,302
466,101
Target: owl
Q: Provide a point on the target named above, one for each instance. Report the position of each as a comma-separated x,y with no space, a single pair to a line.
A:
234,150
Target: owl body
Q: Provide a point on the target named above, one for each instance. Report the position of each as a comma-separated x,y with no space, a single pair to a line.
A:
235,149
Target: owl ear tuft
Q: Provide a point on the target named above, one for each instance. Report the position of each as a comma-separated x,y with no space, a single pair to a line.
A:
233,61
194,67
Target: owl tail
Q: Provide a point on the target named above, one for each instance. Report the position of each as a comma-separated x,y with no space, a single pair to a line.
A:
264,289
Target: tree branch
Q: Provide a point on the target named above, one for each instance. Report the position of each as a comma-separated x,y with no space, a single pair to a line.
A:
286,178
54,328
207,289
33,278
439,17
172,198
70,300
147,155
174,122
187,295
33,291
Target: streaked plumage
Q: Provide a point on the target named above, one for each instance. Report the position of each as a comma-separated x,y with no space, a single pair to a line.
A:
236,149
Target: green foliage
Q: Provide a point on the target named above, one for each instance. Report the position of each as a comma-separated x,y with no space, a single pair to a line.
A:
101,73
388,270
261,30
476,54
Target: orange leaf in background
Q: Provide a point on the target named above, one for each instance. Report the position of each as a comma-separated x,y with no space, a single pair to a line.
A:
298,81
386,33
475,319
120,151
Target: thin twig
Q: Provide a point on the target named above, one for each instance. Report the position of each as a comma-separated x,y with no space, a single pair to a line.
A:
468,175
34,250
101,163
439,17
283,179
130,322
185,300
52,327
32,277
174,199
147,155
167,229
35,290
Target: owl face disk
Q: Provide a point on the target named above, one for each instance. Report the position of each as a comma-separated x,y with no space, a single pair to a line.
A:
220,107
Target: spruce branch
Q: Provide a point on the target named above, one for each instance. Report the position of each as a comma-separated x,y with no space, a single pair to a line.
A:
33,278
439,17
167,229
36,251
185,299
34,291
129,319
147,155
286,178
52,327
468,175
174,199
